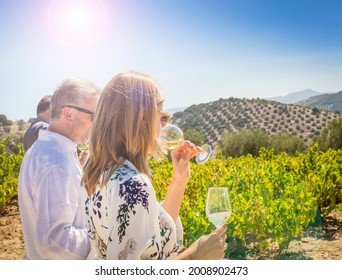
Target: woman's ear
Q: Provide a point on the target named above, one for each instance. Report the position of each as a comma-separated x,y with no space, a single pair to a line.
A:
143,115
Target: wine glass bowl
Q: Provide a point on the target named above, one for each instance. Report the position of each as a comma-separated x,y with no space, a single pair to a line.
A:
171,136
218,206
82,147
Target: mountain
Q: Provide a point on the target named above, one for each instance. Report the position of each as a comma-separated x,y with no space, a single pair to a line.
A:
295,97
215,118
330,102
174,110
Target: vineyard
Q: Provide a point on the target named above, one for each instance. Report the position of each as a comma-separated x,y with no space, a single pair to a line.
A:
274,197
277,199
9,169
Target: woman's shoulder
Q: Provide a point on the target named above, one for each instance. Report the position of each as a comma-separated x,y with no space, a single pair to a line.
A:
128,172
129,184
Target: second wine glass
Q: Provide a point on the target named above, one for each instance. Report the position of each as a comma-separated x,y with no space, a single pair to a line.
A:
172,136
218,206
82,147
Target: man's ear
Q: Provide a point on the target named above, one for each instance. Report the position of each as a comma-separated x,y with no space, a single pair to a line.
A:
67,113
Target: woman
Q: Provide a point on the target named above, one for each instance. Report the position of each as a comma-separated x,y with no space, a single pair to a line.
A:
125,219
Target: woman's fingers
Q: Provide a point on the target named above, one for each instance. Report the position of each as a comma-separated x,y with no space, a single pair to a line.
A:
221,230
187,150
220,236
196,151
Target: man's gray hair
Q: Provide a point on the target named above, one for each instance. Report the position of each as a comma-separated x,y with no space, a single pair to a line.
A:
71,92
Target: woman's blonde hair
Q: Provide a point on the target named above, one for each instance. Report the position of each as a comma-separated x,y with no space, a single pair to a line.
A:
124,128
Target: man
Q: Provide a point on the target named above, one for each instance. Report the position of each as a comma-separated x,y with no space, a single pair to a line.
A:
41,122
50,200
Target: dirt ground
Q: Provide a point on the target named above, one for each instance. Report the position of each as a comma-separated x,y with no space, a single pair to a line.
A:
324,244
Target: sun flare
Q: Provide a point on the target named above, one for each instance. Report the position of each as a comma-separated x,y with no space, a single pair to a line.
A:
77,23
78,17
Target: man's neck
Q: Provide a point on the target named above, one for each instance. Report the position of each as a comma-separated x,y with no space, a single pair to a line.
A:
45,116
59,128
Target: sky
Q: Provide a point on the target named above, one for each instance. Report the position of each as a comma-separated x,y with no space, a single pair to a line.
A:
196,50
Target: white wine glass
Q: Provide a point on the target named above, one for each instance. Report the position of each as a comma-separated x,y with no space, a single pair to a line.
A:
171,136
218,206
82,147
82,153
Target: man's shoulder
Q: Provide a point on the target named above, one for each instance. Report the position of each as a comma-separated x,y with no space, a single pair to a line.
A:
39,124
48,154
36,126
32,132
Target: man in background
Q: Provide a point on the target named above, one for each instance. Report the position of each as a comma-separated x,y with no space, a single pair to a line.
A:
41,122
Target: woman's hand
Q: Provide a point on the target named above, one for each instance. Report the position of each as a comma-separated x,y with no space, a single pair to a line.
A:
187,146
181,174
211,246
180,160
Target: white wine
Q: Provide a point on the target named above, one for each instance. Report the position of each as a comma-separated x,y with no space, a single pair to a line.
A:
171,136
171,144
219,218
82,147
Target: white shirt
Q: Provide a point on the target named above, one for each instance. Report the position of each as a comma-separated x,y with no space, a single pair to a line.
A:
50,200
127,222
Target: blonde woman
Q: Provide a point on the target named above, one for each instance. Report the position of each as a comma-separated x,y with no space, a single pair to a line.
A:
125,219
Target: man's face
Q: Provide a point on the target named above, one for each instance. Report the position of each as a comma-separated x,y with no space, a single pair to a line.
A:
84,119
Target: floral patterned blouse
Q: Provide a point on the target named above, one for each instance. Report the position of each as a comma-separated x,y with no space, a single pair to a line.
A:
125,221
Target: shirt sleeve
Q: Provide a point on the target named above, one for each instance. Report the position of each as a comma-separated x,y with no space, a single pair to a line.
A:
57,199
138,227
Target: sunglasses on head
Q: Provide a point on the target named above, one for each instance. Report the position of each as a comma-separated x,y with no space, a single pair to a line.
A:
164,118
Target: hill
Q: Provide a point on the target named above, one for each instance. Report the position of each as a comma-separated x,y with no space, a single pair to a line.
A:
295,97
16,128
330,102
233,114
171,111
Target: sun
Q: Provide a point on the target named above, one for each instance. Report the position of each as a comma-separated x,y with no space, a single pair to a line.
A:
78,17
77,23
